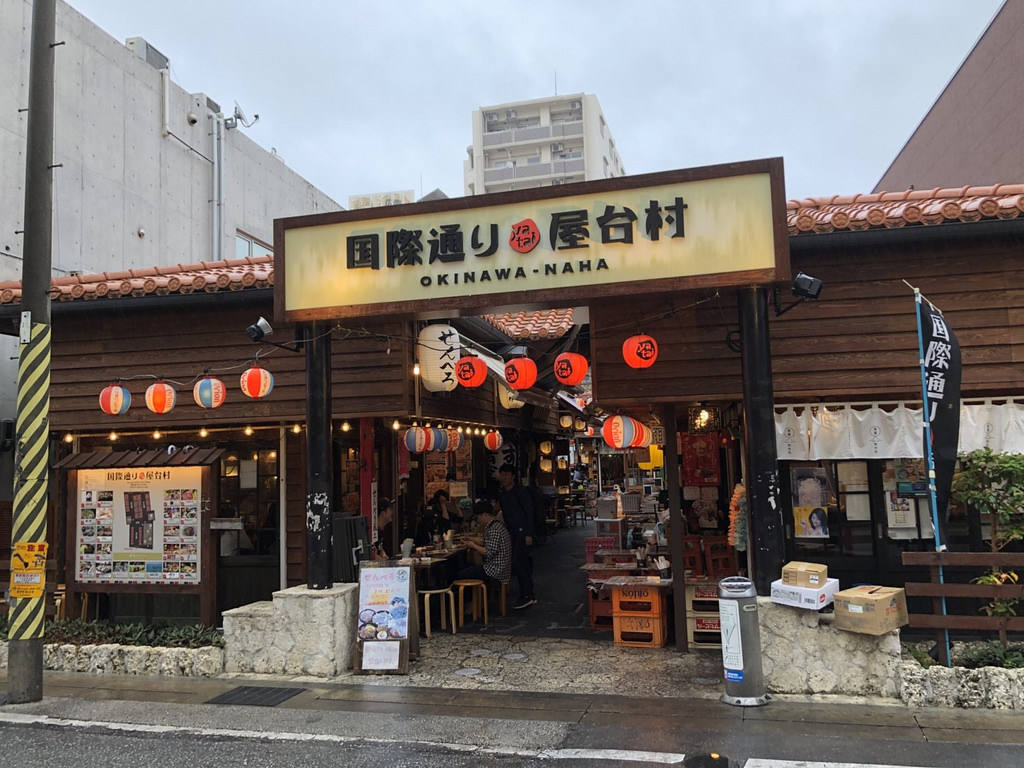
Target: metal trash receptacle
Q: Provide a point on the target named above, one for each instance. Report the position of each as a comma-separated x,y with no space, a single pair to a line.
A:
741,643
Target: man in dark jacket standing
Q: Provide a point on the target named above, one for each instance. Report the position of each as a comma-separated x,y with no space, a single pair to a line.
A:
517,509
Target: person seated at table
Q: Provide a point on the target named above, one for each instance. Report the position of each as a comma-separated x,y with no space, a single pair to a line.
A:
496,549
446,512
385,531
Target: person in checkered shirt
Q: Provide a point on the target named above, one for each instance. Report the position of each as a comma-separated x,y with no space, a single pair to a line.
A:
496,549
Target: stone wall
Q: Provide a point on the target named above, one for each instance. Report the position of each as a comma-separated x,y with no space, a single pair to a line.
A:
113,659
301,631
802,652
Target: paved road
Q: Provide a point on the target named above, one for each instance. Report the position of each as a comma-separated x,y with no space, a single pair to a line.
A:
119,720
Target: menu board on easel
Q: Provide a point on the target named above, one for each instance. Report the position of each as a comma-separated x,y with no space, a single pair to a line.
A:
382,630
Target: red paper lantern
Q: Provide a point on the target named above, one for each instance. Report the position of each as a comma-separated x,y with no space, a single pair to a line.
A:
471,371
640,351
521,373
570,368
160,397
620,431
115,400
493,441
454,440
209,392
256,382
416,439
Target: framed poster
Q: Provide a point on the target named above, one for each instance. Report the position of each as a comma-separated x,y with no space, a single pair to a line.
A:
138,526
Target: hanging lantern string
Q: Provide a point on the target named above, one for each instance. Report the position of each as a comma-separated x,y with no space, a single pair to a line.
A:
392,339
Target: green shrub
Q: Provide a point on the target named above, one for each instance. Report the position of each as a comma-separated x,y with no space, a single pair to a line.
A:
992,654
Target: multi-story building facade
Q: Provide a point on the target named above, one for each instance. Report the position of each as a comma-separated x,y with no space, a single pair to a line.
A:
146,174
540,143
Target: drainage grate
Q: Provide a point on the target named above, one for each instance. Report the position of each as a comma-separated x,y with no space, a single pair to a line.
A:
255,696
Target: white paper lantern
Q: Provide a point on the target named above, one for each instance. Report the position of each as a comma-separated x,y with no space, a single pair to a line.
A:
438,350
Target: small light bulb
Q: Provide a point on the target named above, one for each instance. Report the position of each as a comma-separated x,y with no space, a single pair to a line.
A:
248,431
345,426
296,429
157,434
416,369
204,432
112,436
69,438
395,425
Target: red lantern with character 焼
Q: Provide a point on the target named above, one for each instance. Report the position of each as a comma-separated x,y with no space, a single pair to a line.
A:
493,441
256,382
521,373
471,371
570,368
640,351
160,397
115,400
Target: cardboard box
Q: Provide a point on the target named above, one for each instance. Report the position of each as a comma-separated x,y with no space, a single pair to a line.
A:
799,574
870,610
805,597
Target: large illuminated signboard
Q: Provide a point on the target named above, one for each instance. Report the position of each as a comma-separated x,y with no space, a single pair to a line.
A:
705,227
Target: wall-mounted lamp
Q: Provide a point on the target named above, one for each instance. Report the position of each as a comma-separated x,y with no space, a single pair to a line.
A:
259,331
703,419
580,424
565,421
804,286
546,447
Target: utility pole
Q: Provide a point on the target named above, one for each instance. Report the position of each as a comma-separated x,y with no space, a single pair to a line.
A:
31,472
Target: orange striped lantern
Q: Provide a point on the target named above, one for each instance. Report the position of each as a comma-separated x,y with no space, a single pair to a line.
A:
256,382
493,441
454,440
640,351
620,431
416,439
160,397
471,371
570,368
115,400
521,373
209,392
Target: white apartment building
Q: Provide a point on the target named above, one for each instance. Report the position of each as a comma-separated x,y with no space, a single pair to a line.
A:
540,143
147,173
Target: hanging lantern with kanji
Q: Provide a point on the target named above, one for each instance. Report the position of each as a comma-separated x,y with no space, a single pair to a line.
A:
640,351
570,368
160,397
471,371
416,439
521,373
493,441
256,382
115,400
438,350
209,392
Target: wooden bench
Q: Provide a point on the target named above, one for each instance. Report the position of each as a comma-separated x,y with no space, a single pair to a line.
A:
983,562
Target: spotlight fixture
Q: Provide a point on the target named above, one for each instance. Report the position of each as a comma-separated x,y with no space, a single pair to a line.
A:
259,331
804,287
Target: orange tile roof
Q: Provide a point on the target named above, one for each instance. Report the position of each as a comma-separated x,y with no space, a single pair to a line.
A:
544,324
213,276
886,210
817,215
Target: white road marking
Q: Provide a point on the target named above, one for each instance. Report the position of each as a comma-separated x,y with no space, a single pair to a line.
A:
755,762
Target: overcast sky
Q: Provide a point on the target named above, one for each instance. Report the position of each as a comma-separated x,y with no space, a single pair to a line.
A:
368,96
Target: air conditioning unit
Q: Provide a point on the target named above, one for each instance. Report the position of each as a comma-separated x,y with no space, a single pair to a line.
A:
575,105
557,147
510,114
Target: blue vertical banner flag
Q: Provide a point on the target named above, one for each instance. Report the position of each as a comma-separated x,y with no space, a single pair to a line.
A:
940,382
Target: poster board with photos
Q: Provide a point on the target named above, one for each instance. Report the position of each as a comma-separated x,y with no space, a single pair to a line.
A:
387,623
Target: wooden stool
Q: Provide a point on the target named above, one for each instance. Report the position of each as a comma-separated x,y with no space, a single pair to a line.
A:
480,598
426,607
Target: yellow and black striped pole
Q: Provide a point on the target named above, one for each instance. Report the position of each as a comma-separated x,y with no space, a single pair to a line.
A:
28,532
25,625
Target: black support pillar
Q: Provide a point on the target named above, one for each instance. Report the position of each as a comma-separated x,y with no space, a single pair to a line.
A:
319,475
766,532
